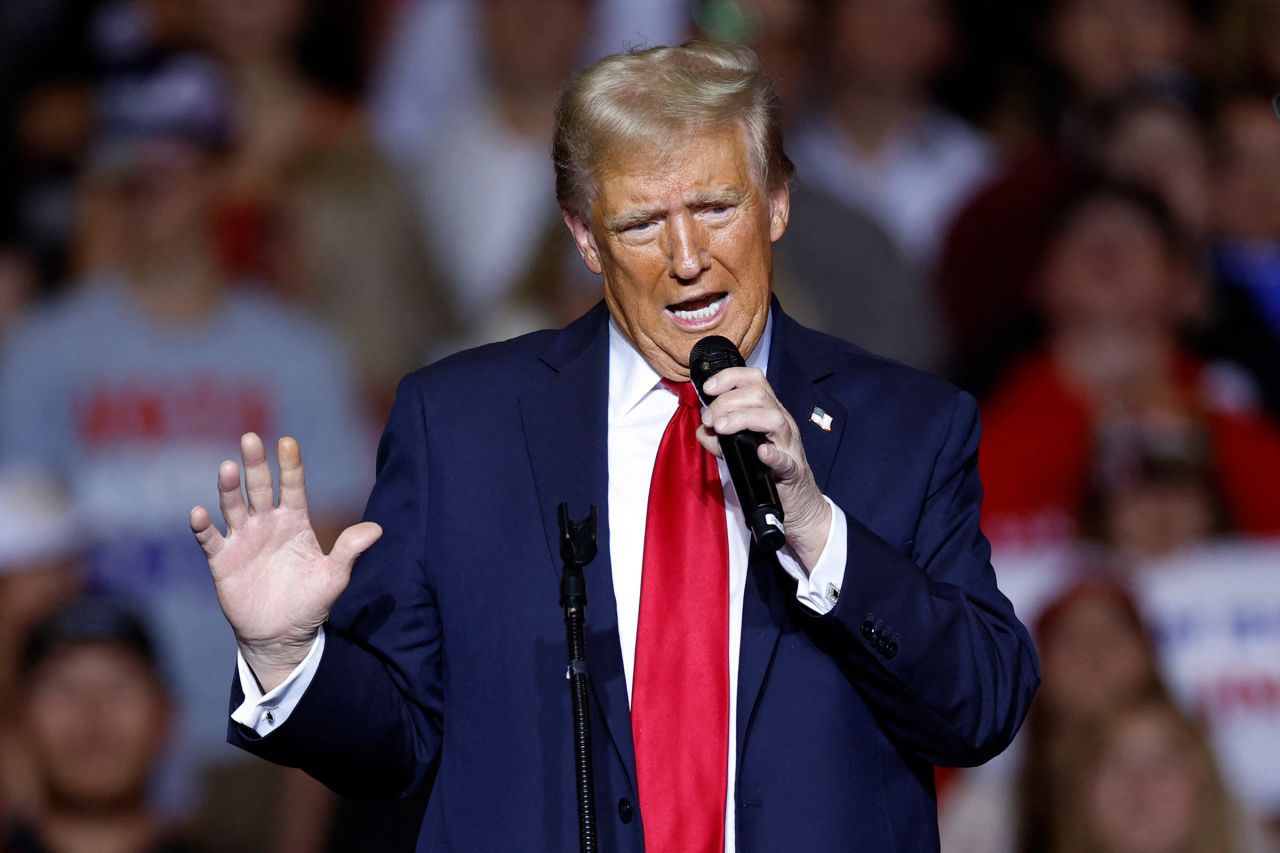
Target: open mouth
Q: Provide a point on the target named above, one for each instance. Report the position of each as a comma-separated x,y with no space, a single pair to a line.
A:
699,312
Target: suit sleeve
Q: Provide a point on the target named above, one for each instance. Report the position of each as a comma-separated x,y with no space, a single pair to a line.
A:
368,724
932,644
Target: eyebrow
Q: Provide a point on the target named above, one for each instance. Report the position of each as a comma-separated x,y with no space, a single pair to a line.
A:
640,215
635,216
726,195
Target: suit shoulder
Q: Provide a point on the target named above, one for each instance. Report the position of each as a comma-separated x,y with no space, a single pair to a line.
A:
509,364
853,369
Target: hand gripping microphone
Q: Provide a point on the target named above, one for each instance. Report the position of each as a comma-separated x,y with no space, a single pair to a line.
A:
752,479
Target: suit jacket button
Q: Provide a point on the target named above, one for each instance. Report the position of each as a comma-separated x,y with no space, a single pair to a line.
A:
624,810
890,649
868,629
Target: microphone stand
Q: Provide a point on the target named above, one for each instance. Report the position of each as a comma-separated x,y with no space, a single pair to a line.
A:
577,548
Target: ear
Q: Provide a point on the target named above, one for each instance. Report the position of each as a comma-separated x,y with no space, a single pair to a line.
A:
779,212
583,239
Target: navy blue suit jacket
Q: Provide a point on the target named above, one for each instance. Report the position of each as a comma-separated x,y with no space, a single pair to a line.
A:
444,662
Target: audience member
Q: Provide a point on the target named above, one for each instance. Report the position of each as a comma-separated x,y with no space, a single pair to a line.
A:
130,381
1244,326
280,117
39,551
48,131
1116,284
838,270
1093,51
1215,612
788,37
878,142
506,264
1142,779
1093,649
38,572
344,241
95,715
1154,488
430,65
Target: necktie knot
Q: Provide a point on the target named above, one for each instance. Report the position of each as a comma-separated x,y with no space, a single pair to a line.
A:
685,391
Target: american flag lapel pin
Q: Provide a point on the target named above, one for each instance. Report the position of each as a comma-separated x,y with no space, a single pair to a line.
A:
821,418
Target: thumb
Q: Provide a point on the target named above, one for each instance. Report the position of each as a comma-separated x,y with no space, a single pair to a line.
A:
783,465
353,542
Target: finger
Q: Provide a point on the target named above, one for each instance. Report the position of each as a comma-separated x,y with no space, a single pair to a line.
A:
710,441
738,398
230,498
293,491
206,534
784,466
257,474
734,377
769,421
353,542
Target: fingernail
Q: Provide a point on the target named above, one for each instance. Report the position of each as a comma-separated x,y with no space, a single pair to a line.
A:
710,385
721,424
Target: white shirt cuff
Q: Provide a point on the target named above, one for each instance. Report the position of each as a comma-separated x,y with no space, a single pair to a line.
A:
819,588
266,713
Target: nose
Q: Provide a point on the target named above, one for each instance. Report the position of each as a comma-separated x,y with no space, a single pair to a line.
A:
687,252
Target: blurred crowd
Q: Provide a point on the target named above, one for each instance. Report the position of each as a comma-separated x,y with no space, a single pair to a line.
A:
229,215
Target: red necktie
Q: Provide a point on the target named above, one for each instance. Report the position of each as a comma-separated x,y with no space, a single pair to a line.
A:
680,687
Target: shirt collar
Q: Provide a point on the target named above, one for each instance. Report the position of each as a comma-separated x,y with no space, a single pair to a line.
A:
631,378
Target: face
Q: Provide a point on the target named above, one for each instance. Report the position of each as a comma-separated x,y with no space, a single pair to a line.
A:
96,721
1154,518
894,44
1109,267
1093,654
533,46
166,196
1104,46
684,242
1147,789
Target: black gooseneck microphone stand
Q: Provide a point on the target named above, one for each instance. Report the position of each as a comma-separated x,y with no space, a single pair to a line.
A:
577,548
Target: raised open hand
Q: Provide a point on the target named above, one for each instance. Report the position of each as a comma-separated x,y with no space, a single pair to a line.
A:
274,581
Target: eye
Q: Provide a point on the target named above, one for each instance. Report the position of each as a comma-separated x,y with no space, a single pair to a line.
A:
717,211
639,227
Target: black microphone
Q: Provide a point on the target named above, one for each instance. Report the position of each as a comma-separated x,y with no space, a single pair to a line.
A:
752,479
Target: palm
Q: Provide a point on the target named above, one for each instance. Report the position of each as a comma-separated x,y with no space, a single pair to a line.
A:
274,581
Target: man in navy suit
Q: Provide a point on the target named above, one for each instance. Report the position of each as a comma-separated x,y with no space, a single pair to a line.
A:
872,646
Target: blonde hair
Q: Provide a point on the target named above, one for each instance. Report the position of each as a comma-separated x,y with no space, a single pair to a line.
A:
659,97
1217,818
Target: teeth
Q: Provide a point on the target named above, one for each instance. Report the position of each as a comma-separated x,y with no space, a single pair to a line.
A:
700,314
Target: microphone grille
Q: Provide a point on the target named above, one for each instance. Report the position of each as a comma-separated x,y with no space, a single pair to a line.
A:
711,355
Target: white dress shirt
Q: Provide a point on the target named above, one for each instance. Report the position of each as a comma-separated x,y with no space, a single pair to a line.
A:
640,407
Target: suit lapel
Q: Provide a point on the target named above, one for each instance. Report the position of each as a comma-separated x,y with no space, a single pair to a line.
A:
764,601
566,430
565,425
